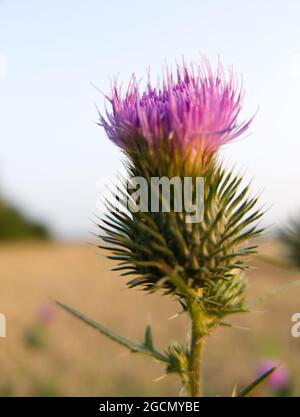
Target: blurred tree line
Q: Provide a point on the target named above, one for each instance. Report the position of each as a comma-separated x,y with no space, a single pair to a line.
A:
15,226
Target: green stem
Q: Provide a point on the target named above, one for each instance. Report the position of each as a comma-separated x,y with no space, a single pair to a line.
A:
199,331
197,344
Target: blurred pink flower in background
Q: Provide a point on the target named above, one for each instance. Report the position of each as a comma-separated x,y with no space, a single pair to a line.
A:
47,313
280,378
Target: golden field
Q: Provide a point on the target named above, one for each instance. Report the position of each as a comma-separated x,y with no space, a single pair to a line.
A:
78,361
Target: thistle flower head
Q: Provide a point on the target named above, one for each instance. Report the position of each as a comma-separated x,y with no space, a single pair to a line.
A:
195,110
173,132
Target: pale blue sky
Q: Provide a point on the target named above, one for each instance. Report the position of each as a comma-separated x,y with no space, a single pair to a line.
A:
52,153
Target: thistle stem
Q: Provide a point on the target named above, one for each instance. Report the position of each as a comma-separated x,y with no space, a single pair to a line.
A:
199,331
197,344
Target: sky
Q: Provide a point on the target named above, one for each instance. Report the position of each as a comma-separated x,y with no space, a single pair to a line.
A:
53,54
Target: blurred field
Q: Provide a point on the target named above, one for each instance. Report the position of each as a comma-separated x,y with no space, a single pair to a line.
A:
78,361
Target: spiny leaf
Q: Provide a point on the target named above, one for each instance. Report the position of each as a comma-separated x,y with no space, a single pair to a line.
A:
248,390
129,344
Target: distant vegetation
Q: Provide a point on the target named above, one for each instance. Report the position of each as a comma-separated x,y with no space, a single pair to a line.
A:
15,226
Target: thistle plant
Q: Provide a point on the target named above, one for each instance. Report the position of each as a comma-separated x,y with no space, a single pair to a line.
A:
175,131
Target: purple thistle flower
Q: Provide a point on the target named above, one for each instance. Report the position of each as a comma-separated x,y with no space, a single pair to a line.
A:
279,379
197,111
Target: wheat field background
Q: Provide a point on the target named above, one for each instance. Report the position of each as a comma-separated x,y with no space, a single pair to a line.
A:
78,361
